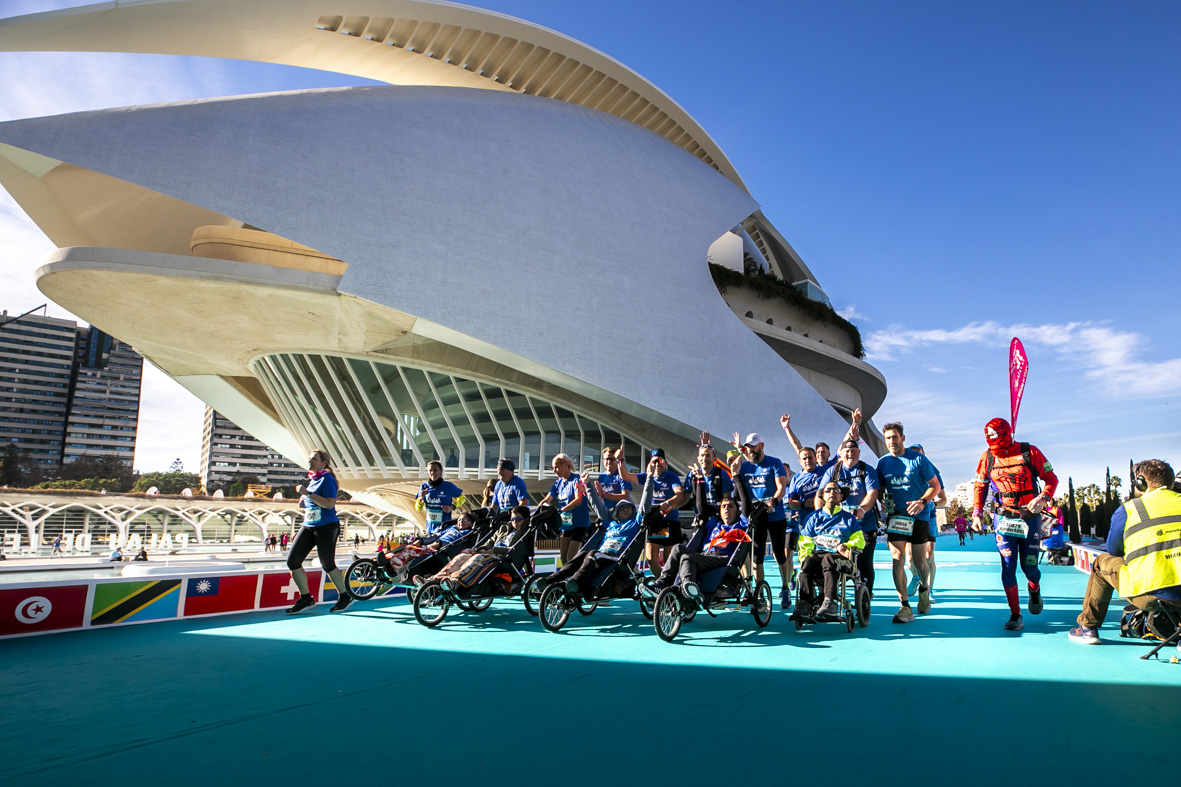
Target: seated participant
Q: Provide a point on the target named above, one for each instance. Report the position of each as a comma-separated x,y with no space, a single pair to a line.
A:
471,566
394,557
710,548
626,525
861,482
1142,561
827,538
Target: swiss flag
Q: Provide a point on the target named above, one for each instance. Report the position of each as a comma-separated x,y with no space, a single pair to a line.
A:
42,609
209,595
279,590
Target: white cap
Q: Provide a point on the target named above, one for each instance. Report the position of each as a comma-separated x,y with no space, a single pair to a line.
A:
754,438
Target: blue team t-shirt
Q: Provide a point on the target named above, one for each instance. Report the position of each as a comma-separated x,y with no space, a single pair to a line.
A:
314,515
802,488
435,497
859,482
727,488
906,477
619,535
564,491
760,479
611,482
717,528
663,490
506,497
825,526
451,534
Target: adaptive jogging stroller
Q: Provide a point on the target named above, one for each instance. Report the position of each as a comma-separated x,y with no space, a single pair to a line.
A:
508,577
853,596
721,588
367,578
620,580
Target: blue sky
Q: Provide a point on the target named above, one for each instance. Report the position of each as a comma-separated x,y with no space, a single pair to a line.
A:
954,174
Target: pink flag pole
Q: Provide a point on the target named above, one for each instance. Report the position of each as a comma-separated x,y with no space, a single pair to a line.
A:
1018,371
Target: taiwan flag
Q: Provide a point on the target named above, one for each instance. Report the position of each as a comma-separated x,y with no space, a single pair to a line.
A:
279,590
209,595
27,610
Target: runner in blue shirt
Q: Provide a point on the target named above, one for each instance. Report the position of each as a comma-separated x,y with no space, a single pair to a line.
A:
929,552
909,479
803,489
437,497
862,482
668,495
569,495
510,490
766,480
824,460
321,529
614,487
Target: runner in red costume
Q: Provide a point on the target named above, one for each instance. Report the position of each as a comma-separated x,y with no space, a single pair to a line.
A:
1015,469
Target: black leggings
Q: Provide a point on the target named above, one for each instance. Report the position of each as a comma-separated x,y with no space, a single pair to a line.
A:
778,533
865,560
323,538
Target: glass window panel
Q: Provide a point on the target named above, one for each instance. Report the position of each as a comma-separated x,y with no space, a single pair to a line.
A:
572,435
434,417
387,425
354,413
413,429
550,428
483,419
531,449
502,413
309,396
461,425
592,442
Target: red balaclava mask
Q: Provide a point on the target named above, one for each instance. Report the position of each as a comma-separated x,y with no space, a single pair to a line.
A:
998,434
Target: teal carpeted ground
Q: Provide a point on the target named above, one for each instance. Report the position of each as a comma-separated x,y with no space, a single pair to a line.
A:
492,698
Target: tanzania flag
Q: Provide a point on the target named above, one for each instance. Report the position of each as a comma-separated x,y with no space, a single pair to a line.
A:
210,595
124,602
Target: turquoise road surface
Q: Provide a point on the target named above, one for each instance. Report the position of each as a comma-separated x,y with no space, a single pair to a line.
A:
492,698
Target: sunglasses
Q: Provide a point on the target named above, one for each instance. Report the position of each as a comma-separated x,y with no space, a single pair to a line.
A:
517,519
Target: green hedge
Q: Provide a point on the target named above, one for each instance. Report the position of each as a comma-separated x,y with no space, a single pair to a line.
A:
769,287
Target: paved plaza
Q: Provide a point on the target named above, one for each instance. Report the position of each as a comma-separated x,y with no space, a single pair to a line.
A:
492,698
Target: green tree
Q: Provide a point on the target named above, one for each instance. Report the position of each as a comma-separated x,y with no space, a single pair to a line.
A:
237,487
10,468
167,483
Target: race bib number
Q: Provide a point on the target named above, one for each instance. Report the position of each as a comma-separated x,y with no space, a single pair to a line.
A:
434,516
567,519
828,542
1011,526
900,525
612,546
311,515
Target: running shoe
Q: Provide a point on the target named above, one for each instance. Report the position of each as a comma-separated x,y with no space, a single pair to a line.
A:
912,589
1014,623
792,584
829,607
785,599
924,601
904,615
1085,636
572,588
342,603
1035,602
301,603
690,591
648,591
931,595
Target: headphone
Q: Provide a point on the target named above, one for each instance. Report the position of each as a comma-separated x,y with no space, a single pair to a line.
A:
1140,482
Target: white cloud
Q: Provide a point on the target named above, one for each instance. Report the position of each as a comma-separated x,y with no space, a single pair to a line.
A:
1109,358
937,369
850,313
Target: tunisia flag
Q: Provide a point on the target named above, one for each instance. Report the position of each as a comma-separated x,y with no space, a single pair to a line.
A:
26,610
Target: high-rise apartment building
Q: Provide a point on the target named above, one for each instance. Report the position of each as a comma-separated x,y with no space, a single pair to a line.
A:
104,401
67,391
227,451
36,366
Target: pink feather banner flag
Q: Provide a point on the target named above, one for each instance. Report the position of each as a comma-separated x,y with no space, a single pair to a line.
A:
1018,371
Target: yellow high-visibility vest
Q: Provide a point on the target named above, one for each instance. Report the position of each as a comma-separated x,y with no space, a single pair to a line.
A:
1152,543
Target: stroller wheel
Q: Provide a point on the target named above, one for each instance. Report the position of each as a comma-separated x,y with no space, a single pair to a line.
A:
531,594
863,602
667,613
554,608
646,607
430,605
362,579
477,605
850,621
587,607
762,605
410,592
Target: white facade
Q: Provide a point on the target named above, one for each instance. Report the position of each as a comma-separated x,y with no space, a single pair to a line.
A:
390,264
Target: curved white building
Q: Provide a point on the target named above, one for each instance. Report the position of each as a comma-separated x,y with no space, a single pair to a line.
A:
505,254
